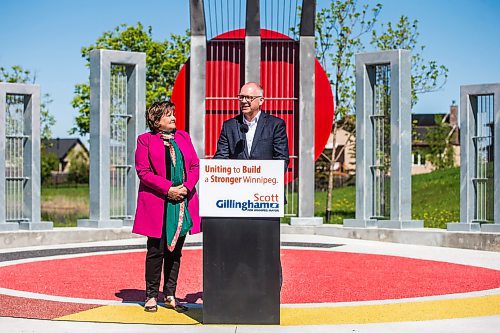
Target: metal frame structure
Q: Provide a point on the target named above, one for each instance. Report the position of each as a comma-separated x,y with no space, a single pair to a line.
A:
101,62
197,76
472,177
400,133
307,56
252,70
28,148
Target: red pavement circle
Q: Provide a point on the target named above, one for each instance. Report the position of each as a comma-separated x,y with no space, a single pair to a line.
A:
223,76
310,276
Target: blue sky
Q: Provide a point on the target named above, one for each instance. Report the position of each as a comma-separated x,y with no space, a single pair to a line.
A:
46,37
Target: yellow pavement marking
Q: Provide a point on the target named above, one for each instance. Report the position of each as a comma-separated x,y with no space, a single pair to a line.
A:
363,314
136,315
393,312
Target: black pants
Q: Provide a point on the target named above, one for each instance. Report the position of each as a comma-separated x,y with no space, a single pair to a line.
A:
157,256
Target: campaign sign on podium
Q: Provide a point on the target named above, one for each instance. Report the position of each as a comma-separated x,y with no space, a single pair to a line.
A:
241,202
241,188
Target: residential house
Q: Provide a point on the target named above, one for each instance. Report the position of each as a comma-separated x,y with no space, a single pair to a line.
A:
421,125
66,150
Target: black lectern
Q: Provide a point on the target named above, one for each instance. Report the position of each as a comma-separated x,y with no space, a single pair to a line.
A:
241,270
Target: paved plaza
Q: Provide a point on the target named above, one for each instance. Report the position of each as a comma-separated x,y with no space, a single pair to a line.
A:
330,285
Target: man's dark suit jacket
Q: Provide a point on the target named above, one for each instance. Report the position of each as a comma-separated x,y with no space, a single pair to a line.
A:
269,143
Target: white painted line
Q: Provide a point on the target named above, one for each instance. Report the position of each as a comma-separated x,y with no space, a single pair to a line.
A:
471,294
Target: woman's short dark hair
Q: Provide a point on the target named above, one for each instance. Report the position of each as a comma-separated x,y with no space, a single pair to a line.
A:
156,111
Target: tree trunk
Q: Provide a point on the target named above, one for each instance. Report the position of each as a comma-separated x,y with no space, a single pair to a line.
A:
333,159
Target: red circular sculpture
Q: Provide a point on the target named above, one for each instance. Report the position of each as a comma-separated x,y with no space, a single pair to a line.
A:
279,72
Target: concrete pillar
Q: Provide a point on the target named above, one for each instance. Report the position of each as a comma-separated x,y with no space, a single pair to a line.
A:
100,99
252,41
468,158
400,151
307,57
31,212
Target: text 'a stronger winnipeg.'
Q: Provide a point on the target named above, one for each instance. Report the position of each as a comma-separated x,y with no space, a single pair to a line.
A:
243,180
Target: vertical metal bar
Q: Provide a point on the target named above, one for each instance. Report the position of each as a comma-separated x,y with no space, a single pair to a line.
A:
483,164
115,98
295,112
212,87
468,129
479,215
19,157
123,145
306,115
136,107
400,106
112,85
100,77
252,41
121,200
15,163
481,159
3,158
14,160
496,154
216,92
197,76
115,144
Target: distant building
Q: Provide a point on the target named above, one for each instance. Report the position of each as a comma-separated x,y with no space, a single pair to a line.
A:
345,149
66,150
345,166
421,125
345,146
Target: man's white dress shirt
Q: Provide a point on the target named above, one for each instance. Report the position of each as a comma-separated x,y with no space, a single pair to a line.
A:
252,126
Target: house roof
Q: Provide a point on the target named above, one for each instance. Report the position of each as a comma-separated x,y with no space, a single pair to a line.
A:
61,147
427,119
423,122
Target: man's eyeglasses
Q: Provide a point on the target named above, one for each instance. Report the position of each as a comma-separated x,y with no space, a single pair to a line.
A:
245,98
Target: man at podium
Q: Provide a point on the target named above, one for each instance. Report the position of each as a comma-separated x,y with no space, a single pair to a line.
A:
242,254
253,134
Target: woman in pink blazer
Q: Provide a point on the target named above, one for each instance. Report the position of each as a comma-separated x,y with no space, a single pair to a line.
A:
167,203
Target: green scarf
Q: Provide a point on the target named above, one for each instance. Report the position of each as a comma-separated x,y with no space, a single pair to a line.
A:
177,226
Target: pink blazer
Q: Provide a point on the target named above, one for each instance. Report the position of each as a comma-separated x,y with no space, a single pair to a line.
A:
153,188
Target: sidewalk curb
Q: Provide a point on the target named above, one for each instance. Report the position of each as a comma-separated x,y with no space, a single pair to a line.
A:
427,236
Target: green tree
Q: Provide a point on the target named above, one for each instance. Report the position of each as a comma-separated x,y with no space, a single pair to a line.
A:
78,171
163,60
440,150
340,28
17,74
48,163
426,75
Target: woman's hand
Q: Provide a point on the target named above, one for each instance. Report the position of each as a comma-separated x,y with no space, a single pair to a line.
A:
177,193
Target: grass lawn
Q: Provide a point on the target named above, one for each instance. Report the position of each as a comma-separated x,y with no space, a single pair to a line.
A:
435,199
64,205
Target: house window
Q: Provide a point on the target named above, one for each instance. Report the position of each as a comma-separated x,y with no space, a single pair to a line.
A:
418,159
